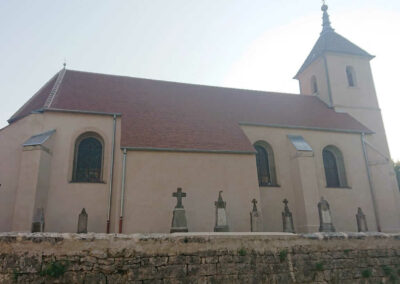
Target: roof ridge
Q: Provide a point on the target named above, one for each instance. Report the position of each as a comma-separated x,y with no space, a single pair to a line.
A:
184,83
55,88
367,54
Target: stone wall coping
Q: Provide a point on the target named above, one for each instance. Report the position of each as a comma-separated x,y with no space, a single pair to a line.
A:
8,236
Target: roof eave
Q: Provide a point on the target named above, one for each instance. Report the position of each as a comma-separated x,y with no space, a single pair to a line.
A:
304,66
354,131
14,119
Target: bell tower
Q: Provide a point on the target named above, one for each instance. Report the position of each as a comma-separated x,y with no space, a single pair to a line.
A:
339,73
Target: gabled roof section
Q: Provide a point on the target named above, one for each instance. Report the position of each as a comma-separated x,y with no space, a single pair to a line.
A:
162,115
36,102
330,41
41,99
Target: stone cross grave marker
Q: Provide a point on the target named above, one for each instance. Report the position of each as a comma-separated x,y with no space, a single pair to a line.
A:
83,222
179,223
38,221
361,221
287,218
325,217
221,222
255,218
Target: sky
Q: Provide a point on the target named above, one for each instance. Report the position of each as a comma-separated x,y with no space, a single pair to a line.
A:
257,44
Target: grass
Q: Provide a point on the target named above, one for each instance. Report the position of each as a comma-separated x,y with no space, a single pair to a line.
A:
283,255
55,269
387,270
347,251
242,252
366,273
15,275
319,266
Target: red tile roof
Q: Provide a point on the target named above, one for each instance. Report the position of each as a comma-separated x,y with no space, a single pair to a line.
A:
168,115
36,102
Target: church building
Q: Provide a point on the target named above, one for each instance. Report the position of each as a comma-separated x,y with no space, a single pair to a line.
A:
121,146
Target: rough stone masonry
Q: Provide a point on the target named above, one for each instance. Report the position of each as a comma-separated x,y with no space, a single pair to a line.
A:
200,258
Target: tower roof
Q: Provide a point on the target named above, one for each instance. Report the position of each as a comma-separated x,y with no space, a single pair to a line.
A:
330,41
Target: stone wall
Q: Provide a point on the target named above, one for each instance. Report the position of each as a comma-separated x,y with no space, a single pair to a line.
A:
200,258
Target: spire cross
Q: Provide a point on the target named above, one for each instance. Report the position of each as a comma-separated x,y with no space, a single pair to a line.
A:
179,195
326,24
285,201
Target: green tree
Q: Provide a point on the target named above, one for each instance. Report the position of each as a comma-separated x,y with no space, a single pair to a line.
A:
397,171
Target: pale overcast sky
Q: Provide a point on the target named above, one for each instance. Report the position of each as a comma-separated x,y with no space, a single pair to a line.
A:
257,44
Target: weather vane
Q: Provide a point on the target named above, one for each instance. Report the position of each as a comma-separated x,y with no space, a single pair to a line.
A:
65,63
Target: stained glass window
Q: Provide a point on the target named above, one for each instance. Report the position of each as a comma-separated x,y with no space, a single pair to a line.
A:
334,167
88,160
331,170
265,164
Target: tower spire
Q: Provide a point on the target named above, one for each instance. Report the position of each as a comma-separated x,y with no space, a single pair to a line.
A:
326,23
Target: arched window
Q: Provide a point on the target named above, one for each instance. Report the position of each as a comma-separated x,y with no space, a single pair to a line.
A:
265,164
335,173
88,158
351,76
314,86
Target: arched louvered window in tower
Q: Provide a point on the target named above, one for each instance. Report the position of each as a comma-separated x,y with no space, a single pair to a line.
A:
88,158
351,76
265,164
335,173
314,85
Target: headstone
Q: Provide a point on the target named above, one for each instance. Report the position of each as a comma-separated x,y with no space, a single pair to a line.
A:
38,221
287,218
179,223
255,218
221,223
325,217
361,221
82,222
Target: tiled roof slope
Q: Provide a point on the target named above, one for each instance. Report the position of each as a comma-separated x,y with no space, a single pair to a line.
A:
332,42
168,115
36,102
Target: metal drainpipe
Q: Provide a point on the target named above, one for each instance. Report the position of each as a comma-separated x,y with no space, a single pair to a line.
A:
378,223
121,216
111,173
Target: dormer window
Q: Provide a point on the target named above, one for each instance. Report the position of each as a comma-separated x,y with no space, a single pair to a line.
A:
314,86
351,76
